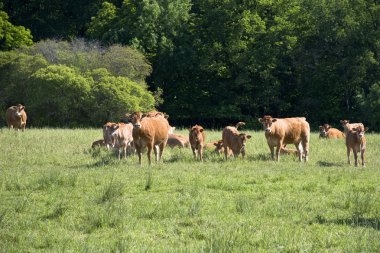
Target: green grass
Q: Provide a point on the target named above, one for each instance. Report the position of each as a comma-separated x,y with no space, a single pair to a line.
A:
56,194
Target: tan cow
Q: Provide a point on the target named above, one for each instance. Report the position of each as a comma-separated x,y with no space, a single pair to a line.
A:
280,132
178,140
347,126
326,131
219,148
197,140
98,143
16,117
122,135
149,130
234,141
107,134
356,141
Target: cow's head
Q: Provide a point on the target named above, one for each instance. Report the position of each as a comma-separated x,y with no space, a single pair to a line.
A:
360,130
19,109
155,114
344,122
323,130
135,119
267,122
218,146
196,133
242,141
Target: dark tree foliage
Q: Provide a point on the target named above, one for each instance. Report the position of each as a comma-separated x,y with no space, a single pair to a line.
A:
219,61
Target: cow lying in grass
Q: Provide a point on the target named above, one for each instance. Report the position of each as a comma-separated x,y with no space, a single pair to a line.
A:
326,131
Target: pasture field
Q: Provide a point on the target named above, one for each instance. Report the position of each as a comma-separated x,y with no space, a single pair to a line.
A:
58,195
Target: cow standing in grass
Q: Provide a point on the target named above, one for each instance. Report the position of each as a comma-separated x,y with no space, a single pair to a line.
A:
347,126
122,136
109,141
16,117
280,132
234,141
149,130
356,141
197,140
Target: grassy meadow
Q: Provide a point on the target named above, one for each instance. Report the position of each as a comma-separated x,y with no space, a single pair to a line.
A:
58,195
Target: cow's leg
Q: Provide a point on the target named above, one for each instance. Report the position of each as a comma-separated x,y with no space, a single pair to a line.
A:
348,155
362,156
139,152
305,145
150,146
155,153
278,149
194,153
161,146
225,152
271,151
356,151
200,153
299,150
125,150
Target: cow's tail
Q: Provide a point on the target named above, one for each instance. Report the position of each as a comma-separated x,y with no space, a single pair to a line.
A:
239,124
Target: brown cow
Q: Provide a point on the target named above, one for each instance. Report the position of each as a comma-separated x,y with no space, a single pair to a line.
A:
16,117
149,131
280,132
122,136
234,141
98,143
326,131
107,134
178,140
197,139
347,126
219,148
356,141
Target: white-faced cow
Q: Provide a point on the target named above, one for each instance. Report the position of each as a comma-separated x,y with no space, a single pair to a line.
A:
356,141
16,117
280,132
122,135
149,130
234,141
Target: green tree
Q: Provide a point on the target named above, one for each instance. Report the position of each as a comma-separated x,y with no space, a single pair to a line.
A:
12,36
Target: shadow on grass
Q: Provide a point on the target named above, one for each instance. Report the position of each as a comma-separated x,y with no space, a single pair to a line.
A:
353,222
259,157
328,164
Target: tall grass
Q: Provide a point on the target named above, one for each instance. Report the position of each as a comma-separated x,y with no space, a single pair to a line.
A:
59,195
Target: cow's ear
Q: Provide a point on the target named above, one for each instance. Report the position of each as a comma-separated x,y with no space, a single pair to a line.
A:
216,144
249,137
274,120
261,120
320,127
366,129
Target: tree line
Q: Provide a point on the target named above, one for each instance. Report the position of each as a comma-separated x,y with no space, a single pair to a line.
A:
210,61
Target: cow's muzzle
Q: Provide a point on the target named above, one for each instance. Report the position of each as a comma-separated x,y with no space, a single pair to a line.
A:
267,130
137,126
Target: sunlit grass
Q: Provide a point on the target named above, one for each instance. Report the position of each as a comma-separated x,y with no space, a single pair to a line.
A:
59,195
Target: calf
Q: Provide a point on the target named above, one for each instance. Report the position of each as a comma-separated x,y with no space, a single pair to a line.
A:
122,136
347,126
234,141
149,130
107,134
326,131
177,140
16,117
280,132
98,143
197,139
356,141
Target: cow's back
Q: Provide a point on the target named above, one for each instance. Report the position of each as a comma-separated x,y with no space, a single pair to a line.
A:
334,133
228,135
291,129
154,128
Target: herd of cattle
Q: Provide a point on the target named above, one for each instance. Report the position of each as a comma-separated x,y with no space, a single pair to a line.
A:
152,131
